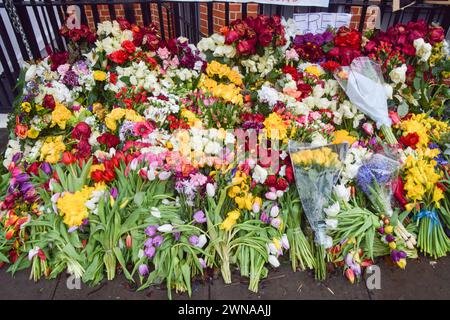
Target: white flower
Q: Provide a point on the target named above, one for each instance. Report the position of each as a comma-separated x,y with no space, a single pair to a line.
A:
423,49
224,51
274,211
332,210
210,190
206,44
268,95
33,252
164,175
273,260
133,164
285,241
201,241
331,223
155,212
398,75
272,248
259,174
31,73
165,228
342,192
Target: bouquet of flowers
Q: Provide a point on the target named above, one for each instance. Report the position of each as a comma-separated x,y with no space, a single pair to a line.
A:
316,171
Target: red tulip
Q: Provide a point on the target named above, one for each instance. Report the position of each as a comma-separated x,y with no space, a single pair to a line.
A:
350,275
68,158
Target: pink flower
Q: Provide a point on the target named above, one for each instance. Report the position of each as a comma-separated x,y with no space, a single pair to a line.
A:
163,53
368,128
142,129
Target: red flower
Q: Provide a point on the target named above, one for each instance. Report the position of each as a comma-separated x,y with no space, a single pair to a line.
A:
436,35
97,175
330,65
21,131
246,47
58,59
281,184
231,36
108,139
410,140
49,102
83,149
118,56
271,181
129,46
82,131
34,168
113,77
394,117
399,192
68,158
265,37
289,174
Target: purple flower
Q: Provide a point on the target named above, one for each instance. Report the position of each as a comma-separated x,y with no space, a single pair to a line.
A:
202,262
46,168
150,230
177,235
390,238
72,229
264,217
150,252
114,192
148,243
158,240
200,217
16,157
22,177
70,78
193,240
143,269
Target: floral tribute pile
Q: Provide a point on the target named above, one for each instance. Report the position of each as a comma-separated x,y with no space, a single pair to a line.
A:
167,162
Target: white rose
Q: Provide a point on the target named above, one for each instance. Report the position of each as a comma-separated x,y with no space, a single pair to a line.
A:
423,49
398,75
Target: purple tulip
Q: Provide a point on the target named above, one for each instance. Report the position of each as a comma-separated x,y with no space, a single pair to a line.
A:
143,269
148,243
390,238
395,255
193,240
158,240
22,177
202,262
114,192
150,252
199,217
151,230
16,157
47,168
177,235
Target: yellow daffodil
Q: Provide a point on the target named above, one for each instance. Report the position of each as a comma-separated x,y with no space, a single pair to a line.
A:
275,127
341,136
60,115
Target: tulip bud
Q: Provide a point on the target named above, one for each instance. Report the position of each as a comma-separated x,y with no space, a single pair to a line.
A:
129,241
389,229
401,263
350,275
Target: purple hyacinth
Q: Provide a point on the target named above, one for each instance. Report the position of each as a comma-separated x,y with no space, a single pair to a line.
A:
376,171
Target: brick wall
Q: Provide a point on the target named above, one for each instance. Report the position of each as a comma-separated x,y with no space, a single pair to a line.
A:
218,11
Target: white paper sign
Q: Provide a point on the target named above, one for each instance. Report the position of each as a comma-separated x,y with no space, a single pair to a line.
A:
303,3
318,22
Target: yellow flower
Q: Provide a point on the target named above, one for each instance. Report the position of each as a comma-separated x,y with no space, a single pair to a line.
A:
322,156
233,191
39,107
52,149
99,75
72,206
26,107
60,115
275,127
438,195
32,133
192,120
227,224
314,70
341,136
99,110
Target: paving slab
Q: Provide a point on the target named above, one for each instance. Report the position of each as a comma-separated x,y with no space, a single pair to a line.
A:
284,284
423,279
120,289
20,287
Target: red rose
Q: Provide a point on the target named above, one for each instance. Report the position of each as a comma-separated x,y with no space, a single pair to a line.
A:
231,37
265,38
271,181
82,131
436,35
123,23
83,149
409,50
281,184
113,78
330,65
58,59
48,102
289,174
246,47
410,140
108,139
118,56
68,158
129,46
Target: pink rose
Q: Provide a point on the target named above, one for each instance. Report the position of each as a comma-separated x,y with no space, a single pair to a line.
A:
231,37
436,35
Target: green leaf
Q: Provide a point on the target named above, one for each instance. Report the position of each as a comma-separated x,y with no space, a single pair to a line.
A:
139,198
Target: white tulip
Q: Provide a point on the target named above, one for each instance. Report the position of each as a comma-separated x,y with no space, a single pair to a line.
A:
201,241
274,261
165,228
274,211
333,210
155,212
210,190
342,192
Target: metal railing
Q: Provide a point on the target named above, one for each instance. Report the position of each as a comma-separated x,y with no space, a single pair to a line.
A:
29,29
